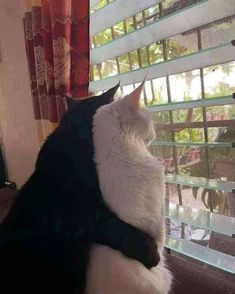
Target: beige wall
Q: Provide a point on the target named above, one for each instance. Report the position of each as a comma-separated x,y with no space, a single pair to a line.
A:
18,131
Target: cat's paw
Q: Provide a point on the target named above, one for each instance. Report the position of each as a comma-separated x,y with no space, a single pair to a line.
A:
142,248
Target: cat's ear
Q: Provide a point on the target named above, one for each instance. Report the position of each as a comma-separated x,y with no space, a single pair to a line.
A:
134,97
109,95
70,101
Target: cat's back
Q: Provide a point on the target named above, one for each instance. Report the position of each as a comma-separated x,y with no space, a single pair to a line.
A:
130,164
132,182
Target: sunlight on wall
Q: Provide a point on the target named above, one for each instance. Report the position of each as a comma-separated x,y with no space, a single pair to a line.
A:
16,115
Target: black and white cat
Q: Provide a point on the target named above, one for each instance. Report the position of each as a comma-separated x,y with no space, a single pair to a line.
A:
132,185
45,238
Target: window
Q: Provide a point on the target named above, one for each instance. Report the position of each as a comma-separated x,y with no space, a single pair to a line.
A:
190,92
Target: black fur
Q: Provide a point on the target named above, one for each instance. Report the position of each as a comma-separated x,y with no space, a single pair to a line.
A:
59,212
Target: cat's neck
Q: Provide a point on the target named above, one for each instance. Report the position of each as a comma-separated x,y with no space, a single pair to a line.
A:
120,147
113,142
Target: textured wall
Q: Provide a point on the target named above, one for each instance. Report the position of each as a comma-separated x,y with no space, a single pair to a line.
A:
18,131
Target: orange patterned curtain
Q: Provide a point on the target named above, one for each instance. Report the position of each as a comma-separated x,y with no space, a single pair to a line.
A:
57,48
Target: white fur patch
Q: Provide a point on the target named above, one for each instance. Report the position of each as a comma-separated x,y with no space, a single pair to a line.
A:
132,184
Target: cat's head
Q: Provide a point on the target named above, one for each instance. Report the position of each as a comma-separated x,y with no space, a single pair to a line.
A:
73,136
127,117
79,114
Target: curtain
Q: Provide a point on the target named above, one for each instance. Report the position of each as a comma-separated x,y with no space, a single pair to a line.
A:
57,48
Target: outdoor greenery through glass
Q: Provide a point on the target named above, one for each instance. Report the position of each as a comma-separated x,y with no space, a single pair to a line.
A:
193,142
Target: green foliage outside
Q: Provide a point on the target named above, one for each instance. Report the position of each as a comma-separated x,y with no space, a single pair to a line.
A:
154,54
